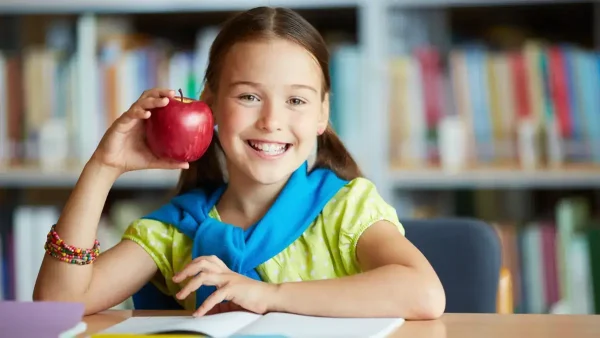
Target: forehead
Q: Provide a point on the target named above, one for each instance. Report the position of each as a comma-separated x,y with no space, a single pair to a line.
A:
271,62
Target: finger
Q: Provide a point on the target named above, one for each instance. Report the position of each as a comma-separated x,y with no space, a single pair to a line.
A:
128,119
204,278
217,297
211,258
195,267
158,93
217,261
148,103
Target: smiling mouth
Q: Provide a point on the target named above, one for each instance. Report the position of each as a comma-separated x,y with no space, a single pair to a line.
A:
270,149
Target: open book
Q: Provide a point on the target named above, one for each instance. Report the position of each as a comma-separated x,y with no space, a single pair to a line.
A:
239,323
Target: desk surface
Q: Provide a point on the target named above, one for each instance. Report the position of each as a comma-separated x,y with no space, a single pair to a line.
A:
449,326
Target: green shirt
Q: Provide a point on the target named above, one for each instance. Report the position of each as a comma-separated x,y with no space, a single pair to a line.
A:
327,249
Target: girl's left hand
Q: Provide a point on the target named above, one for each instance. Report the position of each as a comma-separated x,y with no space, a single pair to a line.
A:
247,293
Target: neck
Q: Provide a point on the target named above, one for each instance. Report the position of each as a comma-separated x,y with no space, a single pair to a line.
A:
246,201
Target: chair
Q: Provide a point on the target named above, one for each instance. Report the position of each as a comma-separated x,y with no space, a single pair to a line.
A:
149,297
467,256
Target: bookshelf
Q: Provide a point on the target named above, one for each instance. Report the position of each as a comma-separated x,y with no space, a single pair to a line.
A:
496,179
374,19
447,3
64,179
159,6
367,36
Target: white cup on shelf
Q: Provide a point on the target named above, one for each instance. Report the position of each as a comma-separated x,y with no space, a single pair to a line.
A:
53,145
452,143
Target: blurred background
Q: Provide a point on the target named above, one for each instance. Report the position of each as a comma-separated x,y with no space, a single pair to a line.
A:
454,108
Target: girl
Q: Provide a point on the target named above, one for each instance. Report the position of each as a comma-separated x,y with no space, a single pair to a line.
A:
256,222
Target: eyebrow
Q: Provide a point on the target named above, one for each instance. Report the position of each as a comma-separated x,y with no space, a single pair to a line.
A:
254,84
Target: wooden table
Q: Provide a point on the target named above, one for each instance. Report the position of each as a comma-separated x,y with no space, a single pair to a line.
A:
449,326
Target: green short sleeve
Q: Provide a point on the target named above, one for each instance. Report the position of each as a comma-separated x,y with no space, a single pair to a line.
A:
356,207
157,239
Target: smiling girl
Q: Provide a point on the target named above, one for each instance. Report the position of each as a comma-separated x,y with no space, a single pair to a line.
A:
270,228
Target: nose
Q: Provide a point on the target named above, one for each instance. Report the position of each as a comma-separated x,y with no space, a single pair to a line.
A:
269,119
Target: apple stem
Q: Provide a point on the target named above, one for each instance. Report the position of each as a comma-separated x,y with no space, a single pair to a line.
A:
181,94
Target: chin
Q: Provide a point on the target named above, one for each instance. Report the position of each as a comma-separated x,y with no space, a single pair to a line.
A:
268,177
270,173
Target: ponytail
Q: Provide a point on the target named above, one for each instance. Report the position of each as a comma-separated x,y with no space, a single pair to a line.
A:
332,154
205,173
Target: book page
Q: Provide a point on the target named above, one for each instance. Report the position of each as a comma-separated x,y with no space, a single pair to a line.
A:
291,325
218,325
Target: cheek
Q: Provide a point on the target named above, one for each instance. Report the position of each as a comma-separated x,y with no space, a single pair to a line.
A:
233,119
305,126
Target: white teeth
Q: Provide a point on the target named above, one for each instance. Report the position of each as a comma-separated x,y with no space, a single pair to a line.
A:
269,148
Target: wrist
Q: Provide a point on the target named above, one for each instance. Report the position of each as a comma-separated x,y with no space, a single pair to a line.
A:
276,299
102,171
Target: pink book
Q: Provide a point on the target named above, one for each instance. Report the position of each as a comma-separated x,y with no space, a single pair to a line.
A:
41,319
550,262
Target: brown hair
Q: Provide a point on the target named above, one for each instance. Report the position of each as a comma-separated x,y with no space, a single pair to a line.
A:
261,23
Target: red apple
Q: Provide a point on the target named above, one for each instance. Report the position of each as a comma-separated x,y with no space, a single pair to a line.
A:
182,130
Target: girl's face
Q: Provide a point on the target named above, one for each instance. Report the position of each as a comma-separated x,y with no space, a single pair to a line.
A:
269,108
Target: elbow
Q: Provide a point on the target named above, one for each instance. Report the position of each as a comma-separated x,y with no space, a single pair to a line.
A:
431,303
427,299
40,294
44,295
424,299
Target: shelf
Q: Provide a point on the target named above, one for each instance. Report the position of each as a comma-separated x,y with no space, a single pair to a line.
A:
156,6
490,178
450,3
148,179
403,179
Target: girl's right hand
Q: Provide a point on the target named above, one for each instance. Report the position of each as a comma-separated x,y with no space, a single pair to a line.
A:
123,146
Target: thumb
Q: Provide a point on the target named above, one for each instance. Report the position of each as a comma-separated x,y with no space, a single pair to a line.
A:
170,164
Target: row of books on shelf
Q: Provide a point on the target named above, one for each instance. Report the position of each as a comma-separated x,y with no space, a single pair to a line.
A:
555,263
553,254
532,107
46,118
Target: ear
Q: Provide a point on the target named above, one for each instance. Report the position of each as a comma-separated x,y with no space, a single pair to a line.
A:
324,118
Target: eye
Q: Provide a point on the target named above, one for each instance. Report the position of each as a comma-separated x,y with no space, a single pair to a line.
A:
296,101
248,97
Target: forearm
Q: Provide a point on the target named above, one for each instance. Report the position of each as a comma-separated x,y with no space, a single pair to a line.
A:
389,291
77,226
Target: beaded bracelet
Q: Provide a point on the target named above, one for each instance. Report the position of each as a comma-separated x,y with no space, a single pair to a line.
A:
58,249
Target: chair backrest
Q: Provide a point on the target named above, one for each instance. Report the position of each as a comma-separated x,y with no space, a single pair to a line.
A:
149,297
467,256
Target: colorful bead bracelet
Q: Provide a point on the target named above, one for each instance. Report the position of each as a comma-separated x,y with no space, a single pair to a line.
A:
58,249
